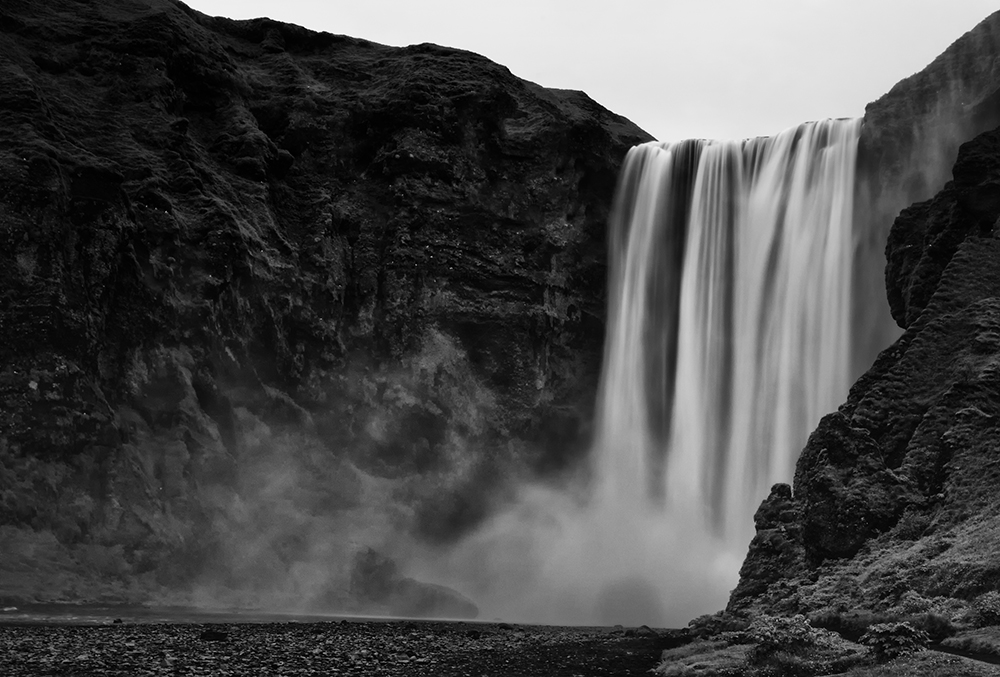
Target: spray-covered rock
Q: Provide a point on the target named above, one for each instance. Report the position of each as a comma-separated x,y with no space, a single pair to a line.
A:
378,587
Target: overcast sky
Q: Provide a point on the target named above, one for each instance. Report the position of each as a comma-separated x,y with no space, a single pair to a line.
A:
677,68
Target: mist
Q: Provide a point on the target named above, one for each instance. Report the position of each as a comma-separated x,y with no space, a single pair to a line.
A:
289,520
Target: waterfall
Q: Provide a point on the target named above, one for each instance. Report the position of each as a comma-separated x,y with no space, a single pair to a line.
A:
728,337
729,319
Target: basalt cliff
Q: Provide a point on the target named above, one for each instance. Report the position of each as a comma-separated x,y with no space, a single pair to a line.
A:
271,297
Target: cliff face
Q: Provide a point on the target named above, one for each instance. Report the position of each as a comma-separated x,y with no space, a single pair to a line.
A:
908,144
894,505
256,279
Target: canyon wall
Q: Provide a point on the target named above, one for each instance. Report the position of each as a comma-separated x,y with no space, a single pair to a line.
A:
258,280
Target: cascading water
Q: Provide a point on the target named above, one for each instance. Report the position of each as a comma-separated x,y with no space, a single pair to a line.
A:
729,325
728,337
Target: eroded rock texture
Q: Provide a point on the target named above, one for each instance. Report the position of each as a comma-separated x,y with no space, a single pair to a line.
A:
243,260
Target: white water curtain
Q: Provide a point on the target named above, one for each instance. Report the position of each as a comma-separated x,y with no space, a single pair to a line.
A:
762,329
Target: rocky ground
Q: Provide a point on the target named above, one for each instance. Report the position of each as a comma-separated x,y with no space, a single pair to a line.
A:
794,646
328,648
442,648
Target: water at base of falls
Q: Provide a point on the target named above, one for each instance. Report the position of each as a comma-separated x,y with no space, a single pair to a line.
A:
728,337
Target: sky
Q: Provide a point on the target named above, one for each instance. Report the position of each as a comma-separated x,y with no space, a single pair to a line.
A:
724,69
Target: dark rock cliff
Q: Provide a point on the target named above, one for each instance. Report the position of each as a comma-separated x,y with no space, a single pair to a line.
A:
894,506
240,257
908,144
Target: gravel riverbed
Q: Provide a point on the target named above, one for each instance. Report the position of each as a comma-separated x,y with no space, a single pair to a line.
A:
325,648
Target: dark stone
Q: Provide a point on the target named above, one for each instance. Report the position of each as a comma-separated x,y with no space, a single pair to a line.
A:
211,635
776,550
846,493
926,236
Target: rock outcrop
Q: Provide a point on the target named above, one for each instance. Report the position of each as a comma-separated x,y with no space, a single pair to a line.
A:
238,257
377,586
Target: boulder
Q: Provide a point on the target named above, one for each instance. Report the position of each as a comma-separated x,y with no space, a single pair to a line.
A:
378,587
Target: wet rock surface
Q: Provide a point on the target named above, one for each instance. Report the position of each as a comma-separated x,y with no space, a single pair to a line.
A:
345,648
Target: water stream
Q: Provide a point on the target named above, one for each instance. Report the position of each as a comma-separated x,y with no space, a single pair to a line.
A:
728,337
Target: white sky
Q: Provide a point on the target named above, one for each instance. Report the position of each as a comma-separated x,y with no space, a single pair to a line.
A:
677,68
